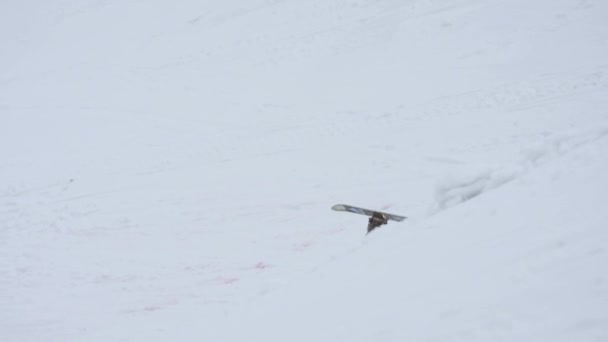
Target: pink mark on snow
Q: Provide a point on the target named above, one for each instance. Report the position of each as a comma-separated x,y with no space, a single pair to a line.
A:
161,305
228,280
386,206
300,247
261,266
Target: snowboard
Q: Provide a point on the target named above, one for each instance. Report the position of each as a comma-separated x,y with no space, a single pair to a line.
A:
368,212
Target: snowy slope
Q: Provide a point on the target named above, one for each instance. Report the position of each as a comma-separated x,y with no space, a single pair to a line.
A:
526,263
168,168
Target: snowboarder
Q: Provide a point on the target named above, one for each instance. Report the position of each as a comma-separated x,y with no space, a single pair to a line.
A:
376,218
376,221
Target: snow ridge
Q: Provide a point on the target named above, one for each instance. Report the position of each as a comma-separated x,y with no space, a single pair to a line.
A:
479,180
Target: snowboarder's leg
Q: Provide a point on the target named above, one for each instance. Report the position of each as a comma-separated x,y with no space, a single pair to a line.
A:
371,225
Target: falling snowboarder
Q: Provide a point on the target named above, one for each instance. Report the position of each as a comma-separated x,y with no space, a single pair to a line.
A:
376,218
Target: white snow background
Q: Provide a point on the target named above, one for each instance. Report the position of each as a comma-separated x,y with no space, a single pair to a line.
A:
167,170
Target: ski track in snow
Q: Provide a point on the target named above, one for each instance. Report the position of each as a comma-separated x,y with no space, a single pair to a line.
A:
456,191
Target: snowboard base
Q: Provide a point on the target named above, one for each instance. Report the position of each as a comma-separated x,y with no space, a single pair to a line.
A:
367,212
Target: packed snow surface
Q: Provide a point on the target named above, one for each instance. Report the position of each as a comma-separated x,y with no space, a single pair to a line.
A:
167,170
